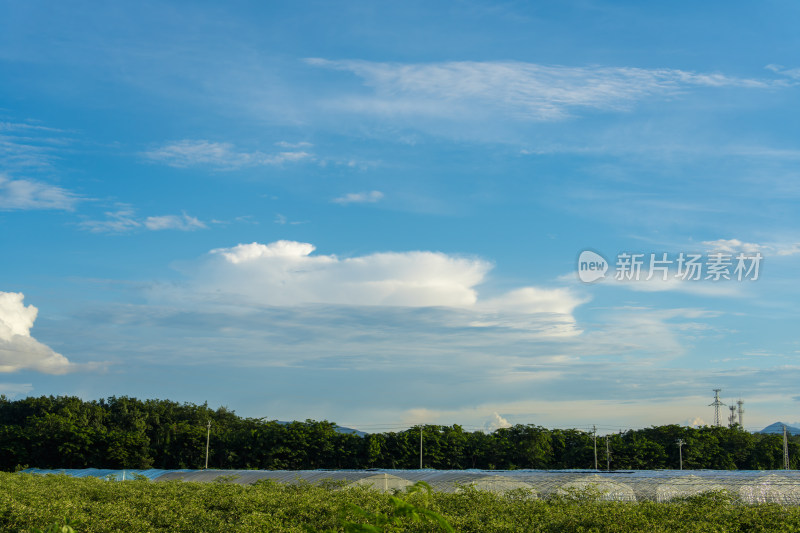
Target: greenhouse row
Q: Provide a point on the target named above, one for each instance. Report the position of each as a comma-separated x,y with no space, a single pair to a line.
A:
781,487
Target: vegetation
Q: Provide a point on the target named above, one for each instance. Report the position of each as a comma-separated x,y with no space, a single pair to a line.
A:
66,432
28,503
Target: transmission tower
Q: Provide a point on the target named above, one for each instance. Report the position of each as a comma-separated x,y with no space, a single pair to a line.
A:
740,403
732,417
785,450
716,405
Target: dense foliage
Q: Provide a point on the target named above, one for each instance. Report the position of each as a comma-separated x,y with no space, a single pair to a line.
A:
29,502
66,432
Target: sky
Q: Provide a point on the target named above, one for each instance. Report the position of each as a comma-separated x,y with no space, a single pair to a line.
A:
376,213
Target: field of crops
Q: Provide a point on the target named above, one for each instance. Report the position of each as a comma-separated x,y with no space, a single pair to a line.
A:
30,503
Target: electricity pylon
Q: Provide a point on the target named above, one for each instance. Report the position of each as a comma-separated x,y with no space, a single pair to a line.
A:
716,405
740,403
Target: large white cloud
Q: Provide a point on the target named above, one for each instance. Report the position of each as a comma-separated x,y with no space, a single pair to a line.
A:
18,350
288,273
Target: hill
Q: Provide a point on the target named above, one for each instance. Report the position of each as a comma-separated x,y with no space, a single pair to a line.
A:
777,429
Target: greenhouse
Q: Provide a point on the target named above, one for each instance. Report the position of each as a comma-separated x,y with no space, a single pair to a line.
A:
748,486
684,487
605,488
770,489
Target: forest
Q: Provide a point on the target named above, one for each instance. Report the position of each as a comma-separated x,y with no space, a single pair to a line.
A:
124,432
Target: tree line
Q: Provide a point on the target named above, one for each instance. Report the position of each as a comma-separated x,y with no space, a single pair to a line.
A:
67,432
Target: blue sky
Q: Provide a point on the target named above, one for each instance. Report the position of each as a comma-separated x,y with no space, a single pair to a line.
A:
372,214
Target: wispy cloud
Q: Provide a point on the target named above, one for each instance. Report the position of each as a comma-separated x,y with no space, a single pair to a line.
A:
219,156
182,222
282,220
125,220
29,146
793,73
359,198
525,90
733,246
301,144
25,194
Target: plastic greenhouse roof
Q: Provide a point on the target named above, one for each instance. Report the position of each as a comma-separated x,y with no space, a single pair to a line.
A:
779,486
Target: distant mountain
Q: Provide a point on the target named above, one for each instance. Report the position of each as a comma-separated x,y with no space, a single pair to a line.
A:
337,429
340,429
777,429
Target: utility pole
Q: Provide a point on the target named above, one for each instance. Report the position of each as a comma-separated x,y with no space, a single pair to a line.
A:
594,438
785,450
716,405
680,452
208,439
732,417
608,456
740,403
420,446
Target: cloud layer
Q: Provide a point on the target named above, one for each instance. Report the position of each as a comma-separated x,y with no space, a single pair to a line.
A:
18,350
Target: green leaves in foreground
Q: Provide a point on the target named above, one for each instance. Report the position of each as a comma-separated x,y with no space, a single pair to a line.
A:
58,527
401,511
30,503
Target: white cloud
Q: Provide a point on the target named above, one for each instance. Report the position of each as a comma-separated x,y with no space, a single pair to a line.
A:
496,422
732,246
289,273
18,350
695,422
29,146
286,273
302,144
703,287
115,222
789,249
219,156
535,300
24,194
526,90
125,219
793,73
359,198
282,220
183,222
735,246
